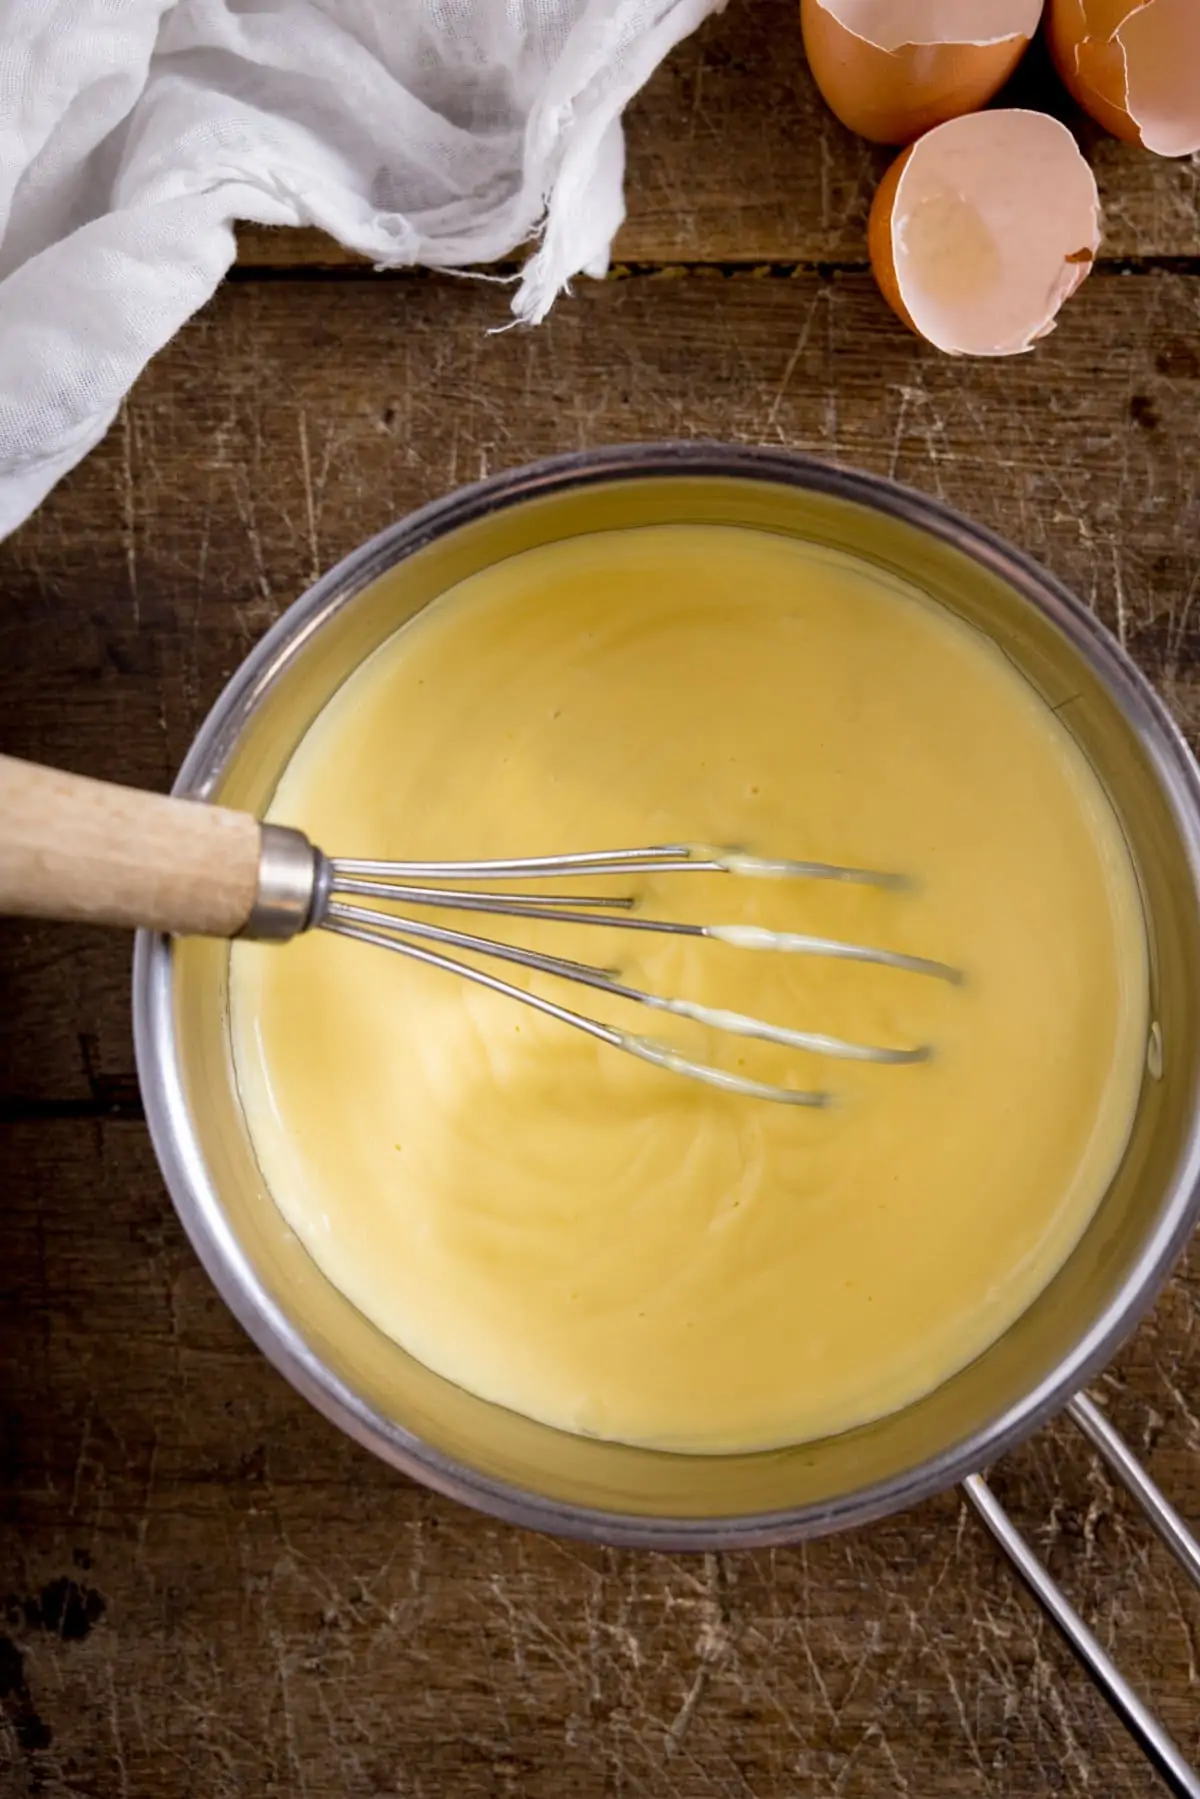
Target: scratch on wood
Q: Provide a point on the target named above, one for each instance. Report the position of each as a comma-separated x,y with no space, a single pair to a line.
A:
793,360
114,1724
309,499
683,1716
1119,591
81,1457
1073,1748
906,396
289,1721
129,510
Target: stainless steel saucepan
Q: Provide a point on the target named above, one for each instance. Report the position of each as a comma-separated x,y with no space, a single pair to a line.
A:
543,1478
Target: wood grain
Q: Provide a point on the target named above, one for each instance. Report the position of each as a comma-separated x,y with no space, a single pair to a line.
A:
734,157
292,420
214,1592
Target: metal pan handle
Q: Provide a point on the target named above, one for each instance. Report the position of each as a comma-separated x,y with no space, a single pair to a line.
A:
1161,1750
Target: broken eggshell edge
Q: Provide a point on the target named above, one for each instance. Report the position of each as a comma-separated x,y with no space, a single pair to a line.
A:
896,96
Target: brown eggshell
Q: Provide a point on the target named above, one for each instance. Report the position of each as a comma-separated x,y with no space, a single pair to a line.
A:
895,96
1134,65
880,246
1089,61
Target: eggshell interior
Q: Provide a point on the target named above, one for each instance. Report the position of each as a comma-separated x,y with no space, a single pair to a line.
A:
891,24
991,223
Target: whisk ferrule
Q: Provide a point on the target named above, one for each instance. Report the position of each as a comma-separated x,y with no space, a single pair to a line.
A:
293,886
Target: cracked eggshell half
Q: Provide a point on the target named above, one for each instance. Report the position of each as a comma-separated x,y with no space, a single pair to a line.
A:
892,69
982,229
1134,65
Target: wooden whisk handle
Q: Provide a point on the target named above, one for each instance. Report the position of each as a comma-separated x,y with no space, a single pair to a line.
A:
73,848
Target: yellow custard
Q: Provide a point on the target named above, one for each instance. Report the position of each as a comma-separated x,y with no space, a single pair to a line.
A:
617,1250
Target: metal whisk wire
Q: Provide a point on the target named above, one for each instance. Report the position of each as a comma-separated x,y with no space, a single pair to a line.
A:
406,883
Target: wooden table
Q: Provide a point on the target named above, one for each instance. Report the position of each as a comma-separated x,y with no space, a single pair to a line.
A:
212,1592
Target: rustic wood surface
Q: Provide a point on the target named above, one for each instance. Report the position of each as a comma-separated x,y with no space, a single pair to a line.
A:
209,1591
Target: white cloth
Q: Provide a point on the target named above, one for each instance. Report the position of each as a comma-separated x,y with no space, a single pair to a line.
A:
134,132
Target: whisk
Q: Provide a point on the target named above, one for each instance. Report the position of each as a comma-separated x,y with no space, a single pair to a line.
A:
75,848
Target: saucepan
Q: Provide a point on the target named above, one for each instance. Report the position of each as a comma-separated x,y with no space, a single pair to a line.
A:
529,1473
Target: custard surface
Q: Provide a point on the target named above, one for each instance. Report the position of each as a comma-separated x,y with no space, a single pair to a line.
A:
619,1251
